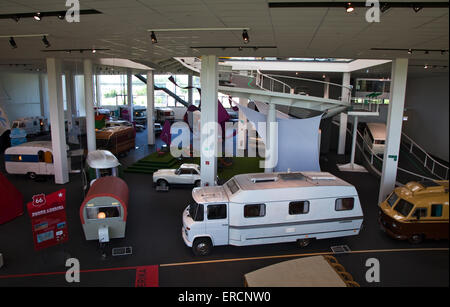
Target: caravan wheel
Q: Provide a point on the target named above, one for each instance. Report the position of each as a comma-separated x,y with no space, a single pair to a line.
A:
32,175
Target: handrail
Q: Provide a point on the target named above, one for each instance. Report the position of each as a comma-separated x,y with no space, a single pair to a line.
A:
374,155
426,159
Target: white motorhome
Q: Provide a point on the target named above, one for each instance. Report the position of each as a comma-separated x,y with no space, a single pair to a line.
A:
32,159
375,137
31,125
252,209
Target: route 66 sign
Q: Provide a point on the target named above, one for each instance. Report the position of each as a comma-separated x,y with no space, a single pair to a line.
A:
39,200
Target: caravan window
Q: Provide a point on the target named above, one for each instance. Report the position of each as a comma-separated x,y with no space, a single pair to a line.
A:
232,186
298,207
94,213
256,210
343,204
216,212
436,210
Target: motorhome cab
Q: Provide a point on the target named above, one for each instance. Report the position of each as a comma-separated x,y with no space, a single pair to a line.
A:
252,209
32,159
163,114
375,137
416,211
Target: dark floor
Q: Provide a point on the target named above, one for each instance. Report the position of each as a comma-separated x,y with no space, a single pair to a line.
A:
153,230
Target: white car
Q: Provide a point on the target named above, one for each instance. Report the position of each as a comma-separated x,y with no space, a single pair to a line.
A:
186,174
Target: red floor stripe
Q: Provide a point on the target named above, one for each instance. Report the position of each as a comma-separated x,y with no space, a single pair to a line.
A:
147,276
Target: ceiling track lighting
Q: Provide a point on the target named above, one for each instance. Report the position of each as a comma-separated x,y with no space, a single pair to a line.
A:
410,51
384,7
349,7
153,38
45,41
37,16
92,50
417,8
245,36
12,42
16,18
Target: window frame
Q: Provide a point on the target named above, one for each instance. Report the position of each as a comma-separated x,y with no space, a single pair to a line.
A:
216,218
342,198
307,202
261,205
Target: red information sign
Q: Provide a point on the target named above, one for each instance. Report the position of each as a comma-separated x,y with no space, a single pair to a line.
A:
48,219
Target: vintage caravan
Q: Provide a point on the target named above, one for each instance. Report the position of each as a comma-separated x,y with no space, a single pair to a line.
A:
252,209
375,137
117,140
32,159
101,163
103,213
416,211
31,125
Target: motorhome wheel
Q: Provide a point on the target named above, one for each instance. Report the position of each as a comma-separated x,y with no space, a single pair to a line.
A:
416,239
303,242
32,175
163,184
202,246
197,183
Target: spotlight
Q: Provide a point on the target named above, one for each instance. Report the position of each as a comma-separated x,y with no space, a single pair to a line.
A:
349,7
323,76
245,37
46,42
12,42
94,51
442,52
16,18
61,16
37,16
427,52
425,66
409,51
417,8
153,38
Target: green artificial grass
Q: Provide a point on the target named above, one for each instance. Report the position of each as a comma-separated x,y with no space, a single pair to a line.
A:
226,167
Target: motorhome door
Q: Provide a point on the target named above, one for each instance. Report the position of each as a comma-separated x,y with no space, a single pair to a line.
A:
49,162
217,223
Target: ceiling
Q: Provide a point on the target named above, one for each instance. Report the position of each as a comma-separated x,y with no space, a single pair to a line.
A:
295,32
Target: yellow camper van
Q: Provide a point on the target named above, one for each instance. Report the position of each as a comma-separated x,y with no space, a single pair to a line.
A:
416,211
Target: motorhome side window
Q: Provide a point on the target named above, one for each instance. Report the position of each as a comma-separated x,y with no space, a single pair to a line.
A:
436,210
298,207
95,213
420,212
256,210
344,204
216,212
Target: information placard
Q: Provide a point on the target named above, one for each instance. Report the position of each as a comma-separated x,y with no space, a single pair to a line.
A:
48,219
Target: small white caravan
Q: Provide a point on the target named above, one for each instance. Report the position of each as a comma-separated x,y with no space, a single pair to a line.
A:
32,159
31,125
253,209
375,137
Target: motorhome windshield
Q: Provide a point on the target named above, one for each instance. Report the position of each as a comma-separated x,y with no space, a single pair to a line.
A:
232,186
196,212
403,207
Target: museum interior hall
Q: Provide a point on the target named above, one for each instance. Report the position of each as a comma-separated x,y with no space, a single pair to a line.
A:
224,143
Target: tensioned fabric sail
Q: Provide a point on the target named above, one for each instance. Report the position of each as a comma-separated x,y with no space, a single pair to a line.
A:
298,141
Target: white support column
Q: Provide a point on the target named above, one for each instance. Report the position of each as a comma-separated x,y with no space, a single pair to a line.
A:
150,108
394,127
130,94
209,127
326,88
343,116
352,166
89,102
271,139
69,100
58,133
242,126
42,94
98,91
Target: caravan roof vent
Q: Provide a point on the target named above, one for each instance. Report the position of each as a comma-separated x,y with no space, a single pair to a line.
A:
263,179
